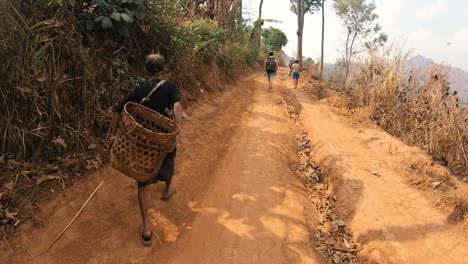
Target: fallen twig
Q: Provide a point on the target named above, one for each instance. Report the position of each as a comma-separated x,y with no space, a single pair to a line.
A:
76,216
30,254
73,220
8,244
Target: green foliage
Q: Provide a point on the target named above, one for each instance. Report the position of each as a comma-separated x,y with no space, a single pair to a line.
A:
274,38
310,6
48,3
308,63
360,20
115,15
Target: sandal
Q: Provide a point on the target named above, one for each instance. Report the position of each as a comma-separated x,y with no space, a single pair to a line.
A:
146,240
166,197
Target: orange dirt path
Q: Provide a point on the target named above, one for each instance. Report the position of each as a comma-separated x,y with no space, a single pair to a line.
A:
395,222
237,200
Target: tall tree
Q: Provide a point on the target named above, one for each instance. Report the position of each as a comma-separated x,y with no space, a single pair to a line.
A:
323,38
300,8
359,19
255,35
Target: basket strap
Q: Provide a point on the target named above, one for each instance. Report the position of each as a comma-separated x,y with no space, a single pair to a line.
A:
147,98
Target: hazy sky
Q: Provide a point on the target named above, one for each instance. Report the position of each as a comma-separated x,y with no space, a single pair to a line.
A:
436,29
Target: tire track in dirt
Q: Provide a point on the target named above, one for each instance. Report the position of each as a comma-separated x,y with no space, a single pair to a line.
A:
394,222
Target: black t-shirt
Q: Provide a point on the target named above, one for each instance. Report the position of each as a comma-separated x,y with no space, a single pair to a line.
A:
165,97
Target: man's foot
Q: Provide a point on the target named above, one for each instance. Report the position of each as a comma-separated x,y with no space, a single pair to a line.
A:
166,196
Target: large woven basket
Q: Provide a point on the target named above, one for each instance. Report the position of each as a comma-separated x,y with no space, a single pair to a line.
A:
142,142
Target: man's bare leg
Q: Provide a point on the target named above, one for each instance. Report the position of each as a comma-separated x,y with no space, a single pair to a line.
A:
143,197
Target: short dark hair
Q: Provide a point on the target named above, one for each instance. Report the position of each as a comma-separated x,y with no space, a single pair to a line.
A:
296,61
271,53
154,63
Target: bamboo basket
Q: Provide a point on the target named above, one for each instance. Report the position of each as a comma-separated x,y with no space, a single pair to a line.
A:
142,142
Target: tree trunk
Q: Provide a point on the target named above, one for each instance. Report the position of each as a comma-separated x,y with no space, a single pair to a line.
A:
239,14
300,28
323,38
256,31
346,64
350,55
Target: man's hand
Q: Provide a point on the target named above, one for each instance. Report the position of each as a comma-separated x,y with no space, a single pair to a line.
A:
178,113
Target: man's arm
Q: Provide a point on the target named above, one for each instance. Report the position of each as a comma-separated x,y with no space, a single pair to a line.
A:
178,112
114,124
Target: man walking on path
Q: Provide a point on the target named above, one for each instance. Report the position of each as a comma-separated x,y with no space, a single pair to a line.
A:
271,67
296,68
290,67
166,100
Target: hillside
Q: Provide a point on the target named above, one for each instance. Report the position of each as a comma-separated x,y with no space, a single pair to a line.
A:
457,78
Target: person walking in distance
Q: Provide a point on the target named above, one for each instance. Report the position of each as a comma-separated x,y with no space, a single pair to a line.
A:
166,101
296,68
271,67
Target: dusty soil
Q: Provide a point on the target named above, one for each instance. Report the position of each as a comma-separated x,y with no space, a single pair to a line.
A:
370,173
239,202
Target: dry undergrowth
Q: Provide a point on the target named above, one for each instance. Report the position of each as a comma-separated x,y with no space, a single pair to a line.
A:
60,83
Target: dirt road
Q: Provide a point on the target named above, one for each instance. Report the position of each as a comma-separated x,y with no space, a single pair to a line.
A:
237,199
239,202
370,172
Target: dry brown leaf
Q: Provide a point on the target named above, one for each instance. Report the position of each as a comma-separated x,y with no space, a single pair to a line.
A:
375,173
9,215
29,172
24,90
69,163
9,186
346,243
99,159
436,184
2,159
46,178
92,164
14,163
92,146
61,142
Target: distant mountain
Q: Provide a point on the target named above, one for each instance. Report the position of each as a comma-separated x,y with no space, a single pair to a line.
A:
457,78
419,62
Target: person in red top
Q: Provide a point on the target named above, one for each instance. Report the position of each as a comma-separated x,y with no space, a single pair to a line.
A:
166,101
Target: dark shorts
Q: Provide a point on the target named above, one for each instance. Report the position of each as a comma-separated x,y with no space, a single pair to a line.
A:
165,172
271,74
296,75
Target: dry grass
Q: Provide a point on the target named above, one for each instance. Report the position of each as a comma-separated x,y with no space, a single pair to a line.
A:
459,201
421,109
